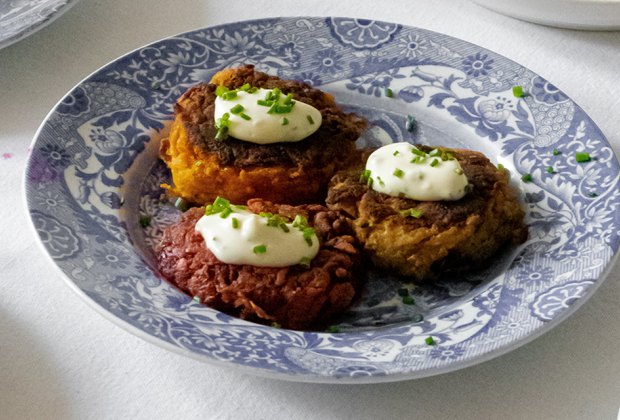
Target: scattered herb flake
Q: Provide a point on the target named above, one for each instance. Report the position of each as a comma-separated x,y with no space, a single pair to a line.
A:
181,204
517,91
284,121
388,92
260,249
550,170
410,125
310,120
430,341
235,223
556,152
583,157
527,177
145,220
398,173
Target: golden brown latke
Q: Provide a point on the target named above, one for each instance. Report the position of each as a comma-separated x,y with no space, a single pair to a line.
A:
295,297
297,172
449,236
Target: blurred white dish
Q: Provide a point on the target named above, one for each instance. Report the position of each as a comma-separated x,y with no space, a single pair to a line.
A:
571,14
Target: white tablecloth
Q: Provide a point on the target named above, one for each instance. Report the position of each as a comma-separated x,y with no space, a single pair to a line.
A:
60,359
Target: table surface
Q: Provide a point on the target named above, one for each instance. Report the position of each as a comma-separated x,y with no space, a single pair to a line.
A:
61,359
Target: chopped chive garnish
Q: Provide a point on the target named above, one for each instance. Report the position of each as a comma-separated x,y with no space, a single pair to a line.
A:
556,152
237,109
245,87
196,299
593,194
222,124
181,204
288,99
398,173
458,171
417,318
527,177
395,153
235,223
380,181
408,300
333,329
430,341
308,234
365,176
388,92
220,90
145,221
583,157
310,120
275,325
220,205
225,213
260,249
284,228
403,292
415,213
245,116
230,95
305,262
550,170
284,121
500,167
435,162
517,91
263,102
434,152
410,125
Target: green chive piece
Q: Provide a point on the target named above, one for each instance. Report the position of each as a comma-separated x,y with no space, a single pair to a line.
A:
415,213
235,223
220,90
225,213
583,157
430,341
334,329
288,99
527,177
593,194
305,262
310,120
398,173
230,95
410,125
245,87
275,325
196,299
237,109
556,152
408,300
550,170
403,292
500,167
517,91
388,92
284,121
365,176
145,220
417,318
220,205
458,171
396,153
308,233
260,249
245,116
181,204
435,162
263,102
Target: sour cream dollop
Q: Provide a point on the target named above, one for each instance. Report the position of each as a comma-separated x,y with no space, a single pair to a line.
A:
400,169
250,121
243,237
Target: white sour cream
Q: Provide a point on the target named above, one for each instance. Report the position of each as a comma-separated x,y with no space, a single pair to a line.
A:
263,127
393,172
253,242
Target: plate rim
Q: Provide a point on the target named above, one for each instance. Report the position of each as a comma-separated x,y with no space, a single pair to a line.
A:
297,377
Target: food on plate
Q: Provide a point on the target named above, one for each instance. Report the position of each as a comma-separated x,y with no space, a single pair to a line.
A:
422,211
251,135
294,266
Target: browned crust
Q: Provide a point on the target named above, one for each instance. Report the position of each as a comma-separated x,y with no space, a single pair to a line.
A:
294,297
451,235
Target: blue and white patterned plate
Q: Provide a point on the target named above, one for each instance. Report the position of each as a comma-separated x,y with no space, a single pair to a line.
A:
93,172
21,18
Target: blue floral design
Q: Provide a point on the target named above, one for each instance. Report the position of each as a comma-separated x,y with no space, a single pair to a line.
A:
112,257
59,239
328,61
535,275
76,103
413,45
363,33
479,64
546,92
56,156
446,353
558,299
